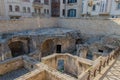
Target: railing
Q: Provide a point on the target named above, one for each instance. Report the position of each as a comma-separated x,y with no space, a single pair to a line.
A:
99,65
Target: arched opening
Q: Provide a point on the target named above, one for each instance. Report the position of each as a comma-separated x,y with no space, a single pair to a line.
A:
47,48
17,48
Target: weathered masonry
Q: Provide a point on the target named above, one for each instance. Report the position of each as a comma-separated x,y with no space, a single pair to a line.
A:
56,54
44,41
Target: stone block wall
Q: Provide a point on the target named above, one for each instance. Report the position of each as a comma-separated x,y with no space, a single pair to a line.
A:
26,24
11,65
39,76
88,26
72,65
95,26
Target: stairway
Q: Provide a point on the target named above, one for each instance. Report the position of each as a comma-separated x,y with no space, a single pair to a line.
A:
114,72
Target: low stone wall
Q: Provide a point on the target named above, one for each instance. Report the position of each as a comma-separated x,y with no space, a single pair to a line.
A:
72,64
38,76
10,65
44,72
92,26
26,24
88,26
29,63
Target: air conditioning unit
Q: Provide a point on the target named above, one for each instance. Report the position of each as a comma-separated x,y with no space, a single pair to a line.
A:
117,1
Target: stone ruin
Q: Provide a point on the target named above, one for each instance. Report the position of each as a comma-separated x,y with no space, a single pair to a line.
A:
55,54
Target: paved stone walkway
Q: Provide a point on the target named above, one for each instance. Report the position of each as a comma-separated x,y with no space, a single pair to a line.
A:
14,74
114,72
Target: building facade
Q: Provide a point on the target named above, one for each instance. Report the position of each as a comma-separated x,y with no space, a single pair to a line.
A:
2,8
110,8
15,9
71,8
115,9
42,8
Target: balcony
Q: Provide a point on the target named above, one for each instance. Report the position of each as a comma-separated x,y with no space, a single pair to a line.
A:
38,4
15,13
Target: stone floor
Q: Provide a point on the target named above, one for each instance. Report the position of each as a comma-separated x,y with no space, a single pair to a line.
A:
14,74
114,72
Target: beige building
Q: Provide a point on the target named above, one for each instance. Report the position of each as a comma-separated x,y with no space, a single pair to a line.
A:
2,9
42,8
15,9
71,8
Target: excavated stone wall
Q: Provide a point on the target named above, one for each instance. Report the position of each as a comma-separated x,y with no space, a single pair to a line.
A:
11,65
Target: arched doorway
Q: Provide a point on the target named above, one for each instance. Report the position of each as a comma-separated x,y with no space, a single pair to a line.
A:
17,48
47,47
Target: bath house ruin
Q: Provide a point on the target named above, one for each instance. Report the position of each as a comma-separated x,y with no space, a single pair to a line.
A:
56,54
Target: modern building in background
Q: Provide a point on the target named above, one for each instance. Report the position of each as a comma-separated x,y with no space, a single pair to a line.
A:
71,8
109,8
15,9
115,9
42,8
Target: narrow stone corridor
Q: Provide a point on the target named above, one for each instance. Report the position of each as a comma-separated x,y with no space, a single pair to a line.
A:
14,74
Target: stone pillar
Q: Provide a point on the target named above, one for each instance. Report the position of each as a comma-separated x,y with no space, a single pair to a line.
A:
95,56
6,53
32,44
83,53
66,11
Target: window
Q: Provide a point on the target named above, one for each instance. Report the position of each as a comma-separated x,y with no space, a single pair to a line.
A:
28,9
118,6
100,51
46,2
39,11
72,1
64,1
35,10
47,11
58,49
10,8
72,13
24,9
63,12
17,8
94,8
